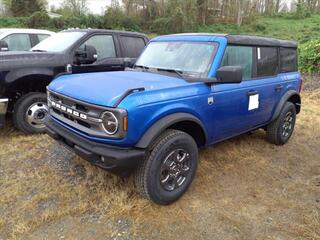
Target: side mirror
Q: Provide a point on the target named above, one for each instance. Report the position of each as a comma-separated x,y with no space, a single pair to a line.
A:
86,56
129,62
229,74
3,46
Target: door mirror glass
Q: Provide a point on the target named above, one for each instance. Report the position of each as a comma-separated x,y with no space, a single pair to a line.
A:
229,74
87,55
3,46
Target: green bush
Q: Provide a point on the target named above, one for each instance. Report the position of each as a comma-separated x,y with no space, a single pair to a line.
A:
13,22
39,20
309,58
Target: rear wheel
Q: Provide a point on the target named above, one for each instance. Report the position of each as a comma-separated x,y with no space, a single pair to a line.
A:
281,129
30,113
169,168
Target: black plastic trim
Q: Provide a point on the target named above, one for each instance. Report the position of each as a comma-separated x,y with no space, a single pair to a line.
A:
120,161
162,124
282,102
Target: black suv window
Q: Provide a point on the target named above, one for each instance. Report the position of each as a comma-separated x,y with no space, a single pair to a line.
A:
267,64
104,45
133,46
239,56
288,60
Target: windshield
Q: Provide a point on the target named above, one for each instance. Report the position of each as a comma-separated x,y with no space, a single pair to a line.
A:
186,57
58,42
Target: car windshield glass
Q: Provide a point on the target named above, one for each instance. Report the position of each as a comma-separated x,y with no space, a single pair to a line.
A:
58,42
191,58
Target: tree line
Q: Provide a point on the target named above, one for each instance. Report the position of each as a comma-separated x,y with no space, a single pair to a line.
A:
159,16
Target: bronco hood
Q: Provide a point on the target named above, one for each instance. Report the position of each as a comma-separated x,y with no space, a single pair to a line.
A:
107,88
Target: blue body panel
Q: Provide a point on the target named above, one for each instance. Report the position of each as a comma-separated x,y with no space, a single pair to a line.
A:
164,95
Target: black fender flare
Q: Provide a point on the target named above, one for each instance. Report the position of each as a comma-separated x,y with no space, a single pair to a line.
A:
159,126
283,100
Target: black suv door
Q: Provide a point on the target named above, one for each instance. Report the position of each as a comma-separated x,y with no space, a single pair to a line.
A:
107,55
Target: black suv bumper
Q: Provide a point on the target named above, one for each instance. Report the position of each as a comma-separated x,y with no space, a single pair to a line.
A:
117,160
3,110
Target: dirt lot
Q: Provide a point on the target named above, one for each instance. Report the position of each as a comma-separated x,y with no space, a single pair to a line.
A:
245,189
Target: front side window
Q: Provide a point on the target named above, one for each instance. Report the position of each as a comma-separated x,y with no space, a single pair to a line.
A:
18,42
103,44
239,56
58,42
288,60
188,57
267,64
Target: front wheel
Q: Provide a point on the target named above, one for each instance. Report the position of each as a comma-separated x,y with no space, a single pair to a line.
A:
169,168
30,113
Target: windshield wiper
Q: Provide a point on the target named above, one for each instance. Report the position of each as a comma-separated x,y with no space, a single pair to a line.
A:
38,50
179,73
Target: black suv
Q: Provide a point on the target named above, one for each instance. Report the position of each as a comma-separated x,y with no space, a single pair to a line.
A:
25,75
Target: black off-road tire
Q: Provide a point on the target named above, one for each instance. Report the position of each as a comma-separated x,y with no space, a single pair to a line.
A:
147,176
276,128
20,112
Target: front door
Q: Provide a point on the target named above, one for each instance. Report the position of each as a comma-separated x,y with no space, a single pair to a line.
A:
107,59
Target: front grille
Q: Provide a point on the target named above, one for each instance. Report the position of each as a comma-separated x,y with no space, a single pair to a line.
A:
82,116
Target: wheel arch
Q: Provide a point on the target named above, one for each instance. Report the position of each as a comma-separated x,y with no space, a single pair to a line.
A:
27,84
185,122
290,96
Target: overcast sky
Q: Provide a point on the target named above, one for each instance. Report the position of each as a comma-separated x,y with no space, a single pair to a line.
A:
95,6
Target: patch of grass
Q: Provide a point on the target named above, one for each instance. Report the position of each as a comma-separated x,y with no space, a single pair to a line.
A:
301,30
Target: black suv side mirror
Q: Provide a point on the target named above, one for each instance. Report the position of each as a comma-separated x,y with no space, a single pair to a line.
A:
3,46
229,74
86,56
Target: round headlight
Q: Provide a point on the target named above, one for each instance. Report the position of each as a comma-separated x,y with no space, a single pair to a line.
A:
110,123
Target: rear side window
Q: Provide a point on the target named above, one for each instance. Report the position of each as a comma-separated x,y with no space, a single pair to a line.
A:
132,46
18,42
288,60
239,56
267,64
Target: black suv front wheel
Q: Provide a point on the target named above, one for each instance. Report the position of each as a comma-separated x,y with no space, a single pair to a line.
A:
169,168
30,112
281,129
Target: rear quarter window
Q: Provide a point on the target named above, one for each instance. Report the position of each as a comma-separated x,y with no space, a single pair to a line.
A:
288,60
132,46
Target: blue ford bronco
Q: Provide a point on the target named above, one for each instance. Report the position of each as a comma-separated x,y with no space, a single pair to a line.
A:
185,92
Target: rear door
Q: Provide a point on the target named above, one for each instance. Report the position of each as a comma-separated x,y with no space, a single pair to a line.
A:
107,55
241,107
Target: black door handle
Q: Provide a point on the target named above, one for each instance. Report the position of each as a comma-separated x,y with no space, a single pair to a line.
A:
278,87
251,93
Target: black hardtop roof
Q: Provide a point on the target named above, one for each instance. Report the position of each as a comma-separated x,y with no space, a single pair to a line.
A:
249,40
260,41
89,30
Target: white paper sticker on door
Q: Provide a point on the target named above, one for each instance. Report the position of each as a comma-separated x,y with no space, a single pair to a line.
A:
253,102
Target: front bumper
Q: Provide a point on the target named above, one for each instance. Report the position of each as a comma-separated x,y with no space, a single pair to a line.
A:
3,110
120,161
